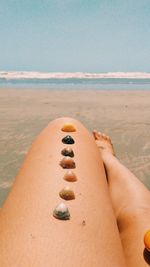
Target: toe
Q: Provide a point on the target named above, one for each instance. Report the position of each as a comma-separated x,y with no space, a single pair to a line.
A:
108,138
95,134
104,136
100,134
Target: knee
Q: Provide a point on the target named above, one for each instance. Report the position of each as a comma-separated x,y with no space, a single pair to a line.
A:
60,122
131,216
63,120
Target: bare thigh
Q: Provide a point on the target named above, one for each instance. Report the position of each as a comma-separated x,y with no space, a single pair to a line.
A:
29,233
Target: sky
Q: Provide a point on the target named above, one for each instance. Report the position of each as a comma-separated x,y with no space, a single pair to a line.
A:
75,35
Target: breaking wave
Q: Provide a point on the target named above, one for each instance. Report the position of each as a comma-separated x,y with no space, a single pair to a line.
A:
30,75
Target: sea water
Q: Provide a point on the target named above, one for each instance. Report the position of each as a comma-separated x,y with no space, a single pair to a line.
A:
73,83
102,81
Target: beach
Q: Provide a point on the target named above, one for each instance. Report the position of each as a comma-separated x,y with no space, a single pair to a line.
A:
123,115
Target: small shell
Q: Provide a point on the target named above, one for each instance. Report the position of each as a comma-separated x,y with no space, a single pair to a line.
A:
70,176
61,212
67,163
67,152
66,193
68,127
147,240
68,140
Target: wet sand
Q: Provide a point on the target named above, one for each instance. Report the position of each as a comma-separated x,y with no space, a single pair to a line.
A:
124,115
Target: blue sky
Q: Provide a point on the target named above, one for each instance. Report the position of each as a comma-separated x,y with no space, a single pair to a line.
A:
75,35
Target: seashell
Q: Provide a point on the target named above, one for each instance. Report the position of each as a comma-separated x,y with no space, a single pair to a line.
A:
67,152
68,127
61,212
67,163
147,240
70,176
66,193
68,140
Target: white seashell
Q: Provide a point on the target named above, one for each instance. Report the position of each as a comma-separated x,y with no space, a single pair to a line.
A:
61,212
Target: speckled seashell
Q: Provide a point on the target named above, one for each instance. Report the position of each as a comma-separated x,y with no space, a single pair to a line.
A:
68,140
147,240
70,176
61,212
67,163
66,193
67,152
68,127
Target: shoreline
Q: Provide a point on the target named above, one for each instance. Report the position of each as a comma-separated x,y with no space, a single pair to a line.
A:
78,87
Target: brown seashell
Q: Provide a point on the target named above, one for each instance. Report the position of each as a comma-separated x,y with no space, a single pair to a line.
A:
61,212
70,176
67,152
68,127
67,163
66,193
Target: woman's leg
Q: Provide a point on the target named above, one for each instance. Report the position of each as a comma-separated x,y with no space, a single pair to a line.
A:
131,203
29,233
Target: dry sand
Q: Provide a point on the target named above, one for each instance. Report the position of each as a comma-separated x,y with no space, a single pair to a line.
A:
124,115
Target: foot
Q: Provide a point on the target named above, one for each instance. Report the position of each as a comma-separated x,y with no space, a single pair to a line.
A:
103,142
105,146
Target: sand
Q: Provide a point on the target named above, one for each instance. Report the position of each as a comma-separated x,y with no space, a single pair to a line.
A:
124,115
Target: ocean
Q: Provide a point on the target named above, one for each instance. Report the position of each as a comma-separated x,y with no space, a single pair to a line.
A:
99,81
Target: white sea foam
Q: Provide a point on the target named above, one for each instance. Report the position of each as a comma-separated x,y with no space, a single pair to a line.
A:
17,75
